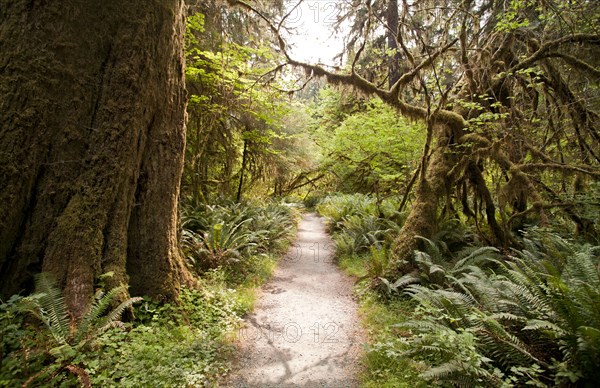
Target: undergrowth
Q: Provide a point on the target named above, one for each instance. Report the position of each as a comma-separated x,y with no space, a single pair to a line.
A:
384,366
470,315
187,344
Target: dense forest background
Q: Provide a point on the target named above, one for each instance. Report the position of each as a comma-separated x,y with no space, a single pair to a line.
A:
455,153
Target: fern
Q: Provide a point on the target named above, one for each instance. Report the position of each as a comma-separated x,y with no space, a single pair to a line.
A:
474,257
95,321
436,269
434,253
48,304
534,316
229,234
379,260
505,347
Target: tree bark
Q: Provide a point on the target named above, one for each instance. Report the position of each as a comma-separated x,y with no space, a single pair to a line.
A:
92,134
422,218
242,171
392,24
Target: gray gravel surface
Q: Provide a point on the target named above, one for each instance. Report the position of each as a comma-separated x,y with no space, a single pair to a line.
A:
304,331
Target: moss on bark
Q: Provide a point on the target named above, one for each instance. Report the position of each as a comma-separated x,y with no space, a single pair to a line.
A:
92,139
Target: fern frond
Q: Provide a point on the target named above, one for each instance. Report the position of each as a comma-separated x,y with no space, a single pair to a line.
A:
508,317
480,286
101,303
423,326
476,257
405,281
432,249
549,327
423,259
444,370
112,317
504,346
581,268
49,305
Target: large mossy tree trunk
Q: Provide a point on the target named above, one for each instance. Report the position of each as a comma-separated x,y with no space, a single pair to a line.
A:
423,215
92,133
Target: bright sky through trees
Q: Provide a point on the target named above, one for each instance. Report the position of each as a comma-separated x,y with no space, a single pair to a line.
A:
313,39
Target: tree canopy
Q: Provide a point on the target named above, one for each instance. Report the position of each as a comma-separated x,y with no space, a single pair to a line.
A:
506,94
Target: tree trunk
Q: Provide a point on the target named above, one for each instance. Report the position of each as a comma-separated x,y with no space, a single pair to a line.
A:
392,24
422,218
242,170
92,134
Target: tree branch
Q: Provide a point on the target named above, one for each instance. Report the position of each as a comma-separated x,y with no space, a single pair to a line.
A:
543,51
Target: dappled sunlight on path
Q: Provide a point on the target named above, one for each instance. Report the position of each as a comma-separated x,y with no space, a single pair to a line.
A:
304,331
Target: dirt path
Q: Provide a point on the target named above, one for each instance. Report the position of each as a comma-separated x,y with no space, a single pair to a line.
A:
304,331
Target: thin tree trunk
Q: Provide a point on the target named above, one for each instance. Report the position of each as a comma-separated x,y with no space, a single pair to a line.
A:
392,23
244,161
92,101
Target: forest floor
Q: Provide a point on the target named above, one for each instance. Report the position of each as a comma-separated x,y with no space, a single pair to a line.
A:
304,331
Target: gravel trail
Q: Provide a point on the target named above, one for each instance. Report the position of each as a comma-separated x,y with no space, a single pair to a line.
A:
304,331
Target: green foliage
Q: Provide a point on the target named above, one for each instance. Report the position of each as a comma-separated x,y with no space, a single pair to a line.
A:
311,201
48,305
336,207
482,318
515,17
174,345
354,265
535,319
358,233
340,207
189,344
438,271
223,243
158,356
363,228
168,345
230,235
379,260
385,364
243,133
364,143
57,354
20,355
562,303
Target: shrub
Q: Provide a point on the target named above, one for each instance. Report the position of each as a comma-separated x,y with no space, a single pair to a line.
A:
59,353
359,222
21,355
173,345
534,320
228,235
